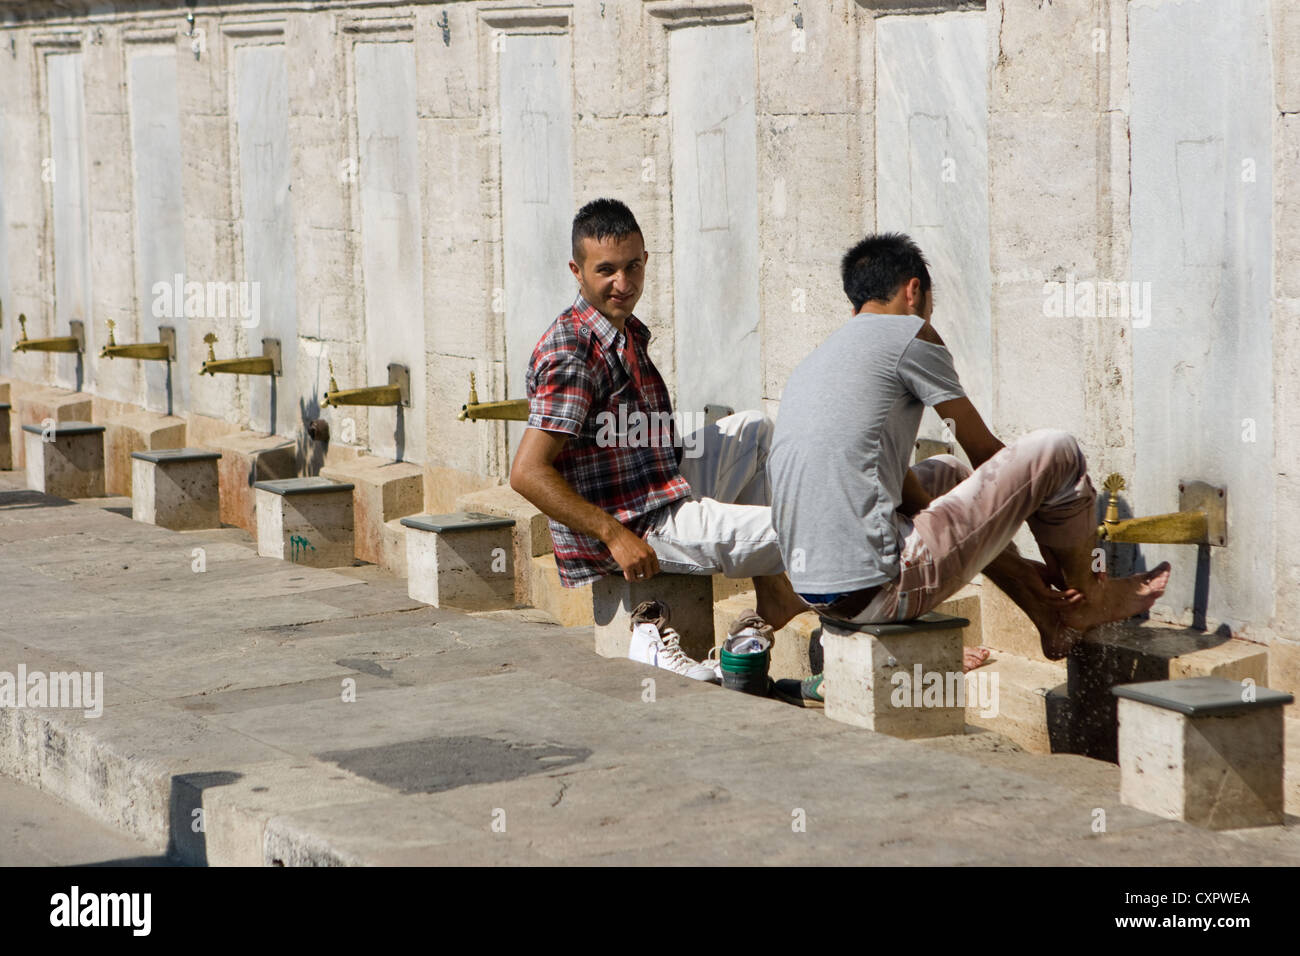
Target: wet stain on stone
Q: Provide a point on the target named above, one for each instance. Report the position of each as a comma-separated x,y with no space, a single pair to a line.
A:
435,764
364,666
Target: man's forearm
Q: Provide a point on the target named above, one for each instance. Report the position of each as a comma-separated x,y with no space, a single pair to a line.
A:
982,454
554,497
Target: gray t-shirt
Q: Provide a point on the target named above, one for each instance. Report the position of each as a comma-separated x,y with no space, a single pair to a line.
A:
844,436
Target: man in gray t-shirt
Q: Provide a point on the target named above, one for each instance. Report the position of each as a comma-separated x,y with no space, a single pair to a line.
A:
865,538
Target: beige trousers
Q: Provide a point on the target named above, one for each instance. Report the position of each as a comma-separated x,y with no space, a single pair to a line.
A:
1041,478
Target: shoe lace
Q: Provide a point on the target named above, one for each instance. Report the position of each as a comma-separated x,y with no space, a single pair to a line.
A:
670,651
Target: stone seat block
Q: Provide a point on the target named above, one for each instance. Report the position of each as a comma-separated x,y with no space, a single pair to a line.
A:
690,602
901,679
1204,750
463,560
176,488
66,460
124,435
306,521
532,532
6,442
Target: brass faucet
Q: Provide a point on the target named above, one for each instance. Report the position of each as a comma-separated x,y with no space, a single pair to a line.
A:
76,342
1201,518
164,350
396,392
268,363
513,410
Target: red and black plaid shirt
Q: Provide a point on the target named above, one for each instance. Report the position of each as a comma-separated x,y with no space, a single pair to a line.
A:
598,386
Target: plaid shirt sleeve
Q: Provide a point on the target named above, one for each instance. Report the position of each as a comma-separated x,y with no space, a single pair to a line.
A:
560,390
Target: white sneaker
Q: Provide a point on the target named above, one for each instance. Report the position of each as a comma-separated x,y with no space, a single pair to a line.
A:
645,644
671,657
655,643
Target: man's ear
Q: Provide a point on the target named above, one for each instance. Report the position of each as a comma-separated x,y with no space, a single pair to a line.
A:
915,297
577,272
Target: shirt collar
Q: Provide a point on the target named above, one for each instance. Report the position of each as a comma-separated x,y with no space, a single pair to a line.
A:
603,329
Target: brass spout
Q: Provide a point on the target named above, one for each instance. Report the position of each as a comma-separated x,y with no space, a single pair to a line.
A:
268,363
513,410
164,350
62,343
396,392
1201,518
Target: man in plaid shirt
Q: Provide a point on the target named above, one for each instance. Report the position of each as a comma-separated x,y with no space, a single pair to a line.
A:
601,457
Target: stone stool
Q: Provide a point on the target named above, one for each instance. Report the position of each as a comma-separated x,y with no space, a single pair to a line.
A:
305,520
463,560
1205,750
689,597
175,488
901,679
6,443
67,460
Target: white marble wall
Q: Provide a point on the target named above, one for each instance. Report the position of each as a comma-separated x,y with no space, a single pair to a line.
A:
391,245
536,195
67,126
159,220
262,114
932,175
7,331
1202,197
715,216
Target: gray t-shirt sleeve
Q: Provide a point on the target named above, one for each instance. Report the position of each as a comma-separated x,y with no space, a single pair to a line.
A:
926,370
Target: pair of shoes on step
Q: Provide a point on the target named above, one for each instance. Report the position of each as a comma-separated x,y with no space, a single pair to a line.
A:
657,644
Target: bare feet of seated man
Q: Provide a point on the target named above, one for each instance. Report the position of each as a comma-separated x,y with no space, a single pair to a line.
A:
1062,617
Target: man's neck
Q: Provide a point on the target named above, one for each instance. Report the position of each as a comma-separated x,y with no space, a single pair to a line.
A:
617,323
885,308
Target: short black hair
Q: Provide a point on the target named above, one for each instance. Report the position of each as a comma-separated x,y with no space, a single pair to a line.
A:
602,219
875,268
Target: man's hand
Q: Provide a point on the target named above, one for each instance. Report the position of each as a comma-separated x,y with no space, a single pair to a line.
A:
1044,584
534,476
637,559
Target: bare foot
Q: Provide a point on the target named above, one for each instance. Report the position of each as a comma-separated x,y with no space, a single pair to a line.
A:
1108,600
1117,599
973,657
1031,586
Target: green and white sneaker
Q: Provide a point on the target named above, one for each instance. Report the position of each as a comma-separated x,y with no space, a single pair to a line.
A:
801,693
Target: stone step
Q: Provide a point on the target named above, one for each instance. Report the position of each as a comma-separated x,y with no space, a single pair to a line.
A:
1019,699
125,434
1291,756
968,603
1129,653
571,607
1003,626
382,490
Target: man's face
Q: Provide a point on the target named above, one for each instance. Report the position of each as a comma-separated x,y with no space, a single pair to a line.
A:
611,274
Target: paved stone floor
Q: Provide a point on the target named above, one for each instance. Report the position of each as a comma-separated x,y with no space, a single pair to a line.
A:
255,711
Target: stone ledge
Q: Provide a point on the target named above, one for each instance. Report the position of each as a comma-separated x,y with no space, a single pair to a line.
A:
384,490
